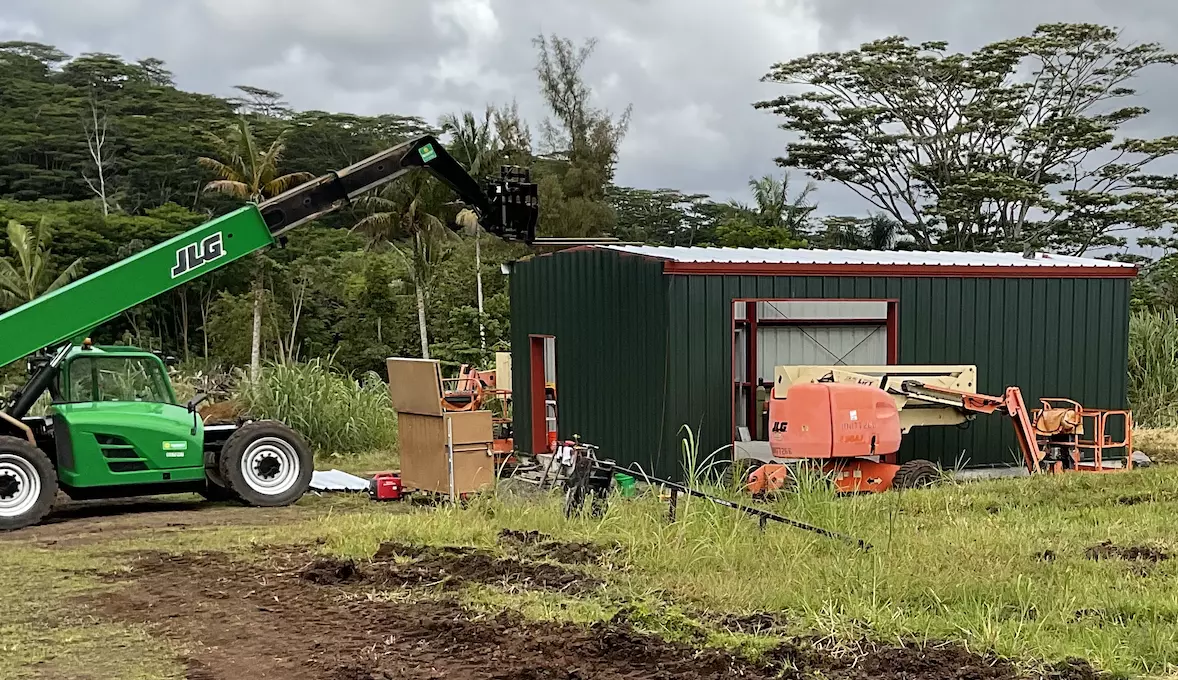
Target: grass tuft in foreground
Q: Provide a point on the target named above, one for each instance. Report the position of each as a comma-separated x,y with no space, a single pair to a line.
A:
1002,565
336,412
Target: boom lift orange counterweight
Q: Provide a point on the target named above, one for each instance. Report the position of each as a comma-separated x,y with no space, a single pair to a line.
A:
853,431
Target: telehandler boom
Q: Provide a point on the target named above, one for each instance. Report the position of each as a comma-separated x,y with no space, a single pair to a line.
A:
114,427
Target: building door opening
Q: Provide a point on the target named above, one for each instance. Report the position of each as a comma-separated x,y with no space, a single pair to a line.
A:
797,332
542,365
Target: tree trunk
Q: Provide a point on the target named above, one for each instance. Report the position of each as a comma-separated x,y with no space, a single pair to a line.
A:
421,321
256,338
478,279
184,320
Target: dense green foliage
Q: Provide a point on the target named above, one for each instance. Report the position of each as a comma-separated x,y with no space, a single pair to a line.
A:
1153,367
336,412
1014,145
101,157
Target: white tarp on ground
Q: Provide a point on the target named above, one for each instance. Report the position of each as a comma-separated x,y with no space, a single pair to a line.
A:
337,480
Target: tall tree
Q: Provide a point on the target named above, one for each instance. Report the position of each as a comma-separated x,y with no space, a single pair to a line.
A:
878,232
774,219
580,143
32,275
1016,144
657,216
249,172
402,211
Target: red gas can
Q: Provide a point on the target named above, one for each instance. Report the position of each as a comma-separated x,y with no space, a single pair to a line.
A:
386,486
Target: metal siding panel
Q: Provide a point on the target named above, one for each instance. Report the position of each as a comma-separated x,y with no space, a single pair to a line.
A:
1119,356
994,324
717,423
592,303
1105,315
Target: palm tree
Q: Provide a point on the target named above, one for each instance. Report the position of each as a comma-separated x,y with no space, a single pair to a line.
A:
774,207
399,210
31,279
475,147
249,173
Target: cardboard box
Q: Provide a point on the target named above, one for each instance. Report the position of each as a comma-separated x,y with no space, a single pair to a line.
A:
425,430
415,386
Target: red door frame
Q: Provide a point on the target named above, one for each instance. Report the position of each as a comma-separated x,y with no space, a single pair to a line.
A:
536,385
751,322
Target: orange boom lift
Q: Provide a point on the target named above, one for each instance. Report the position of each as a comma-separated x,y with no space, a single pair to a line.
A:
853,431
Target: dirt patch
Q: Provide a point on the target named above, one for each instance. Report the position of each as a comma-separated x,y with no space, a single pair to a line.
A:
541,546
248,620
936,661
273,619
1106,550
78,523
755,623
408,565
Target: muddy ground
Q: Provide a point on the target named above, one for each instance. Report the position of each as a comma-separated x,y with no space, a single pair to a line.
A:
302,617
293,614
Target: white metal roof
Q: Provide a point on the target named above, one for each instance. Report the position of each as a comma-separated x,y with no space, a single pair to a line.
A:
862,257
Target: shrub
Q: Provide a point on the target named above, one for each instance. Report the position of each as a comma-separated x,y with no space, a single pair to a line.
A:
336,412
1153,368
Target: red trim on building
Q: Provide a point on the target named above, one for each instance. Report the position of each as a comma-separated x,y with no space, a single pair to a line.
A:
893,271
816,322
750,362
536,389
893,332
751,321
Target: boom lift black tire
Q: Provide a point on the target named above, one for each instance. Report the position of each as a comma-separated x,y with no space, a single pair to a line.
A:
18,460
917,474
279,462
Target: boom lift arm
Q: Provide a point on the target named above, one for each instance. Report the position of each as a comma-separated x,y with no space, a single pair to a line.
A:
506,207
1049,438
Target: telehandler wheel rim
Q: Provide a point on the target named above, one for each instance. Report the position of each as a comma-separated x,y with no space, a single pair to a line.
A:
270,466
20,486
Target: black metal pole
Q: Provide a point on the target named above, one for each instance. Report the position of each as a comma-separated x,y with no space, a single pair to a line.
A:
762,515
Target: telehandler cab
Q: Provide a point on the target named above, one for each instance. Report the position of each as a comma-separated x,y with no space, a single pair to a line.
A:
113,427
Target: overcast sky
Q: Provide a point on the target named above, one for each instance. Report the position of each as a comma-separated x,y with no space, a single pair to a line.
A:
691,68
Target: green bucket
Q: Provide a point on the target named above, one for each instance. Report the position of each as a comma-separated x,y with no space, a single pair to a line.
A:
626,484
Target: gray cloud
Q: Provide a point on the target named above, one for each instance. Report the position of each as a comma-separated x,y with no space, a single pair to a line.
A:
691,68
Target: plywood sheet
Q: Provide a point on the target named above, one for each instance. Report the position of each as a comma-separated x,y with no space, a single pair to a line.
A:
471,427
424,456
415,386
423,450
503,371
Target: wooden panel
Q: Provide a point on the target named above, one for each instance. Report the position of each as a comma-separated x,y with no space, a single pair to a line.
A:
471,427
415,386
423,451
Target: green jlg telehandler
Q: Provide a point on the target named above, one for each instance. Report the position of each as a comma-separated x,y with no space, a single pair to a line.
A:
114,427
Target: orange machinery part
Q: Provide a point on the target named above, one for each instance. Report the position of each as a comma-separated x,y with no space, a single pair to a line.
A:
850,475
837,425
833,420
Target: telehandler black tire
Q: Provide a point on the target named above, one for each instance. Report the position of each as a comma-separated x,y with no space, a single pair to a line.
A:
267,464
917,474
28,484
216,489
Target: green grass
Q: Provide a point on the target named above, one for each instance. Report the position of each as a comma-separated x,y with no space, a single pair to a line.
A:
1153,367
960,562
336,412
40,637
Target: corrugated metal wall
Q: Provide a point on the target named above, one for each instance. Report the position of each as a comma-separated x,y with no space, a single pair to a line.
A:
626,336
609,315
1051,337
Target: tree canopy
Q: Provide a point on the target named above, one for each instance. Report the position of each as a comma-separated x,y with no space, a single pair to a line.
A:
1012,145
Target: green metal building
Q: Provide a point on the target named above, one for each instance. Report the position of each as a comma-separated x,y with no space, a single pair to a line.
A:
635,342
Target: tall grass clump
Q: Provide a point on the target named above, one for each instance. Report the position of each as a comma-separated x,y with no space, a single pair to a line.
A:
336,412
1153,367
